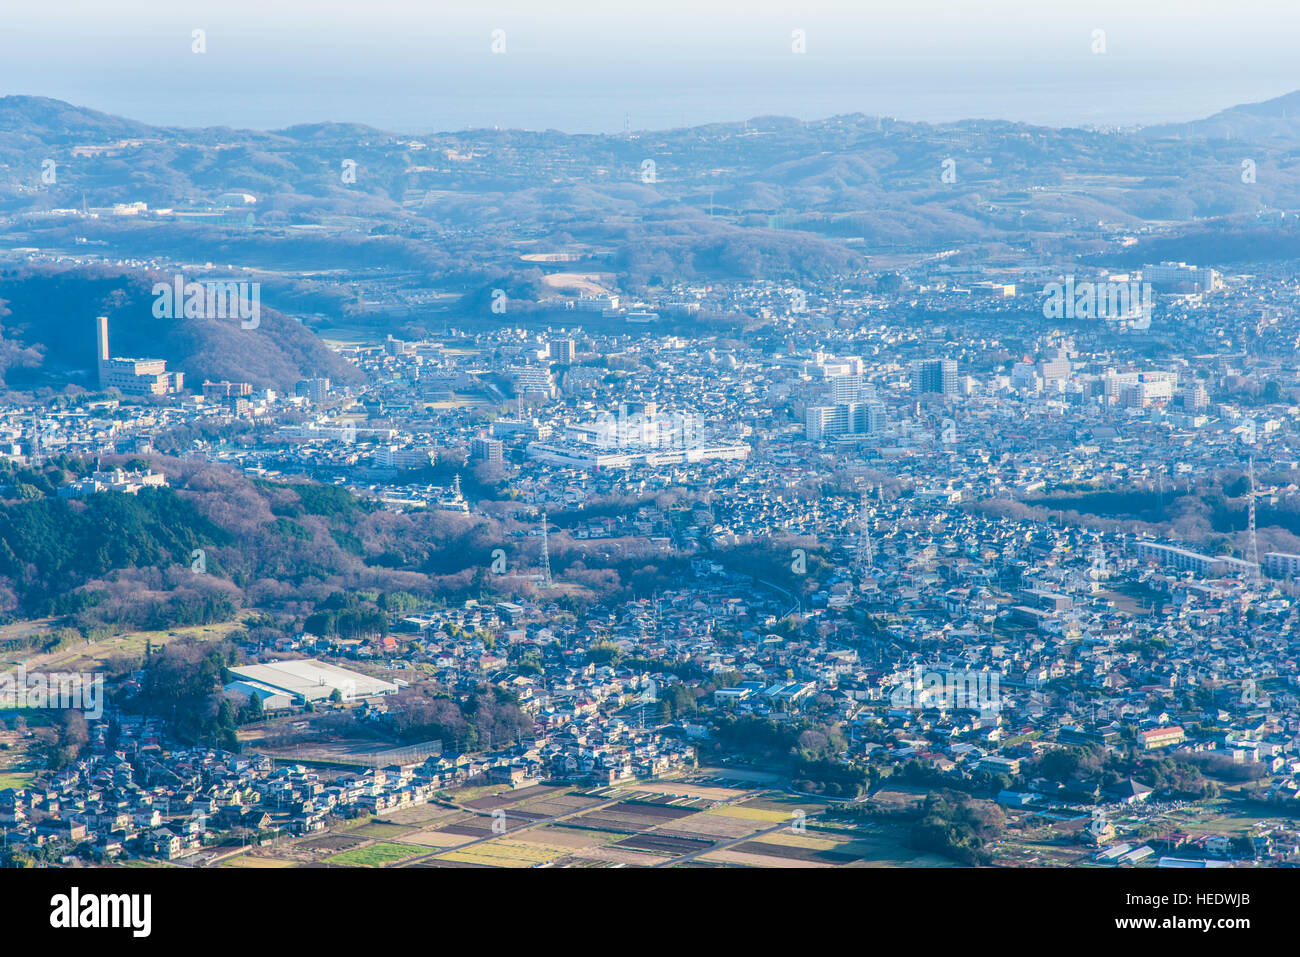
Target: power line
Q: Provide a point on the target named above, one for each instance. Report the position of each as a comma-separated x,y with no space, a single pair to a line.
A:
1252,546
546,555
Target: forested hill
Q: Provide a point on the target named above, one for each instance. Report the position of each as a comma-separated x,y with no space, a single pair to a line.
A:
768,198
47,334
289,550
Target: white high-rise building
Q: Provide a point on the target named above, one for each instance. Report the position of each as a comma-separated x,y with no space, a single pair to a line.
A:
844,418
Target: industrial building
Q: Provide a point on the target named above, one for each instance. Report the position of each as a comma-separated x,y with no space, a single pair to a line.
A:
282,684
133,376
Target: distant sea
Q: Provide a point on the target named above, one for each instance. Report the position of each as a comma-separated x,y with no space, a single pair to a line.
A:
590,66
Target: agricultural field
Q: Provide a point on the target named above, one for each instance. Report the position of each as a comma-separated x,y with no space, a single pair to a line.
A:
371,855
700,820
248,861
20,755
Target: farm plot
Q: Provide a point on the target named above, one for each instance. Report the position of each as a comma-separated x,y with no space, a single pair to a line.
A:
372,855
712,825
504,853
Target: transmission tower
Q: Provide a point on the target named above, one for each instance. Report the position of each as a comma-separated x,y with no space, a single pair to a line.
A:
866,554
546,556
1252,546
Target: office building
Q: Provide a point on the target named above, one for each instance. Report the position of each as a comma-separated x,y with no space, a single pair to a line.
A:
1195,398
563,352
531,429
1181,278
844,418
225,389
395,457
314,390
487,450
598,303
934,377
531,379
849,388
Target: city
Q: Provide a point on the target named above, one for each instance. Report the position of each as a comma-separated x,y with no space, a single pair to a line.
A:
841,492
667,546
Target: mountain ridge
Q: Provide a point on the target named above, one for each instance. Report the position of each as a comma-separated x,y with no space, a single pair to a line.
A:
34,107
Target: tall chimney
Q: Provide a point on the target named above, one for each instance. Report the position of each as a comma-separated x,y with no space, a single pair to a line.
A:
101,337
101,343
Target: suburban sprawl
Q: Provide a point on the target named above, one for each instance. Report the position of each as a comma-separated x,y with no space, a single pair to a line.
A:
508,540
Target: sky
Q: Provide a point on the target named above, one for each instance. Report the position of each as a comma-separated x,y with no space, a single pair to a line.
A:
595,65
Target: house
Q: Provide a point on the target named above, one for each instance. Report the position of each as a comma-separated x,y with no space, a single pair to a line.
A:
1017,798
63,829
1162,737
1000,765
515,775
162,843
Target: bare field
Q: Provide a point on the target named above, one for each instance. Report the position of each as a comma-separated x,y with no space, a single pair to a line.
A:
588,283
640,824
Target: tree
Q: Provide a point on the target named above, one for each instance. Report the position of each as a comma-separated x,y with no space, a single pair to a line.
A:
226,714
1059,765
74,732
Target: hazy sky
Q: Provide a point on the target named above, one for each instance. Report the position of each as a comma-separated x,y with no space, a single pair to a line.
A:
584,66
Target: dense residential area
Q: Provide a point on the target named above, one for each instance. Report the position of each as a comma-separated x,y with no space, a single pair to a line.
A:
806,497
1045,593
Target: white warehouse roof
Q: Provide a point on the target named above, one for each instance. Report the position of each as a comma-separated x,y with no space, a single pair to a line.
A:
313,680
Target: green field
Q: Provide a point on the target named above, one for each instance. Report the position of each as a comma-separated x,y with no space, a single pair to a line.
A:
15,779
374,855
382,831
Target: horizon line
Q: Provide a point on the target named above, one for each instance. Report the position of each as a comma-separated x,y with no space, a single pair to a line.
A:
743,121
